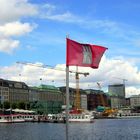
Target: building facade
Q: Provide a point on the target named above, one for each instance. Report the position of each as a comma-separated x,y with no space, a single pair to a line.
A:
96,98
135,100
117,89
72,97
46,99
13,91
117,102
72,92
117,95
84,101
4,94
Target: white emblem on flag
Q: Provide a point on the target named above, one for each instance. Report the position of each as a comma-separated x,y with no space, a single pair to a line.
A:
87,55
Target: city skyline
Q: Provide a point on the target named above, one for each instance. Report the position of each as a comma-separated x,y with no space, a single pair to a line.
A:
35,31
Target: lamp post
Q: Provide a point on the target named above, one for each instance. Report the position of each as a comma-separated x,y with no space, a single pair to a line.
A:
40,81
20,77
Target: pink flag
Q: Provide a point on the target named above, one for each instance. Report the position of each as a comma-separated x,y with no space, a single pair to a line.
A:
85,55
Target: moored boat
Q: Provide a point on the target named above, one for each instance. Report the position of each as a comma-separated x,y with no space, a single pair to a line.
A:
127,115
30,118
86,118
12,118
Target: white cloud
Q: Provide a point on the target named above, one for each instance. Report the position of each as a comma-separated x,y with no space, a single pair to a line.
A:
51,12
10,26
49,7
15,29
123,69
132,91
8,45
14,9
9,30
106,74
65,17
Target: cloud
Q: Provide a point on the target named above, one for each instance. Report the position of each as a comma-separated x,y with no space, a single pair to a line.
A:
65,17
113,29
132,91
48,7
52,12
15,29
122,69
8,45
111,71
11,26
15,9
12,29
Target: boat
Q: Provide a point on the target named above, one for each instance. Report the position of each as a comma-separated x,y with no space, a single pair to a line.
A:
18,115
27,115
30,117
79,115
127,115
84,118
12,118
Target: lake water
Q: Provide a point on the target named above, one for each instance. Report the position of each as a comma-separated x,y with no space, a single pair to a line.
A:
102,129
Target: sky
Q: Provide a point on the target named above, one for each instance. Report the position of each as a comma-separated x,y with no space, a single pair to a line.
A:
35,31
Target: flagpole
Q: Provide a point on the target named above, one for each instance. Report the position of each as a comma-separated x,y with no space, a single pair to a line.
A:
67,95
67,102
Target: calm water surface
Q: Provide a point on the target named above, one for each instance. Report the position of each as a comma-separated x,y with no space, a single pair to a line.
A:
105,129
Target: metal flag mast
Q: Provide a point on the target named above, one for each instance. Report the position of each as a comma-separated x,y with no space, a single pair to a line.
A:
67,98
67,102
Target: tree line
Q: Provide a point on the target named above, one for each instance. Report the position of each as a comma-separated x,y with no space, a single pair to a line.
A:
19,105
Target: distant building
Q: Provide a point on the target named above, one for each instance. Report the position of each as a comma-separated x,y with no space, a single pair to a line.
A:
127,100
117,89
46,99
84,101
72,94
135,100
117,95
13,91
117,102
96,98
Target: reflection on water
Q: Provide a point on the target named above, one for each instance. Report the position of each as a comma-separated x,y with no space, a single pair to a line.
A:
111,129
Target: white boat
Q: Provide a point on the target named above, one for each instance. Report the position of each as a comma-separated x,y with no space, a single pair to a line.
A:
87,118
29,117
127,115
11,118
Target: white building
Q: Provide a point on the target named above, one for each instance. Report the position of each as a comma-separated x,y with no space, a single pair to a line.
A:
116,102
135,100
84,101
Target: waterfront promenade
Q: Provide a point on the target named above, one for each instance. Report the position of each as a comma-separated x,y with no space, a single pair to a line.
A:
101,129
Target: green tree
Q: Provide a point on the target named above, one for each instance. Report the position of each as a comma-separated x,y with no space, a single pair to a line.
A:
14,105
28,106
1,105
6,105
21,105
